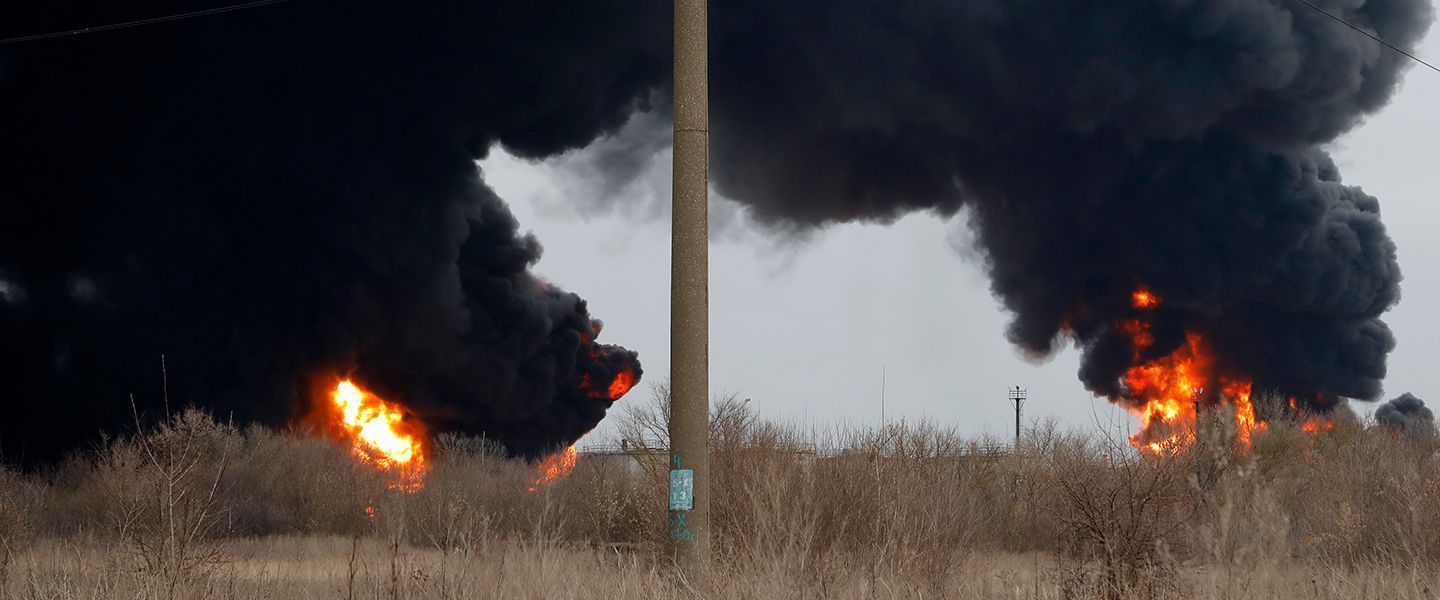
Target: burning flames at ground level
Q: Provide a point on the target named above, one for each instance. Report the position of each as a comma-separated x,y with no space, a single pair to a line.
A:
1168,393
555,467
380,434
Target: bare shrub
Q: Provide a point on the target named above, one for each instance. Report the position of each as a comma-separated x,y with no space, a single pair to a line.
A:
18,498
1116,508
465,493
294,482
612,508
162,487
902,510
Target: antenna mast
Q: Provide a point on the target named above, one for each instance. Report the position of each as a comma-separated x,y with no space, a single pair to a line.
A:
1017,397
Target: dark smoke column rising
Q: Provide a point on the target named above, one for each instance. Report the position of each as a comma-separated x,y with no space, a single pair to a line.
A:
1095,147
270,196
269,193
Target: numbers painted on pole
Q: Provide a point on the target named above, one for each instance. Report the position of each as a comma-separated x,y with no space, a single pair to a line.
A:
682,489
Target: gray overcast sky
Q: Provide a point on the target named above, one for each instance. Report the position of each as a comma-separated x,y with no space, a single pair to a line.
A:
804,327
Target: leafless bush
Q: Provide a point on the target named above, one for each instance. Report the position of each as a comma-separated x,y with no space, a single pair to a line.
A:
1116,508
161,488
18,498
452,513
911,505
294,482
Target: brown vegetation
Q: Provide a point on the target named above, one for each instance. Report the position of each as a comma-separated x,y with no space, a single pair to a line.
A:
194,508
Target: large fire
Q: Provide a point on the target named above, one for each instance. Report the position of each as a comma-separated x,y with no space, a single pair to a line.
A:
555,467
379,433
1166,393
624,380
625,377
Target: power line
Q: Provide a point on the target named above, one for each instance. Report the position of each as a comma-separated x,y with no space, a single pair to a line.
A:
260,3
1369,35
149,21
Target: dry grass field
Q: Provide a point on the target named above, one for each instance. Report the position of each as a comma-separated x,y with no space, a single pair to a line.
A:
195,508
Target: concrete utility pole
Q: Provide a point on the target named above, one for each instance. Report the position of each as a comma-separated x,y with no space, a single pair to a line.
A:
689,516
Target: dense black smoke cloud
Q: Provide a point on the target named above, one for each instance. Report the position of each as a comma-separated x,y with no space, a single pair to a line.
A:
273,196
267,193
1407,414
1095,147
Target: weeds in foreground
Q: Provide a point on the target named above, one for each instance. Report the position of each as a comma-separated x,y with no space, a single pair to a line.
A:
905,510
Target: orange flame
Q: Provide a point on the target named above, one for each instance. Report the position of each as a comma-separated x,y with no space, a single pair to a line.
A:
555,467
1246,422
1173,387
1314,426
379,433
1310,422
1144,299
624,380
622,384
1167,391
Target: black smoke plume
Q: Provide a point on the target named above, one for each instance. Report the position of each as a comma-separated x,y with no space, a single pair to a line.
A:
273,196
266,193
1095,147
1408,415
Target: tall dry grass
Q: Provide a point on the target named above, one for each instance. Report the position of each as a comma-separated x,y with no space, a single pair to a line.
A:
198,508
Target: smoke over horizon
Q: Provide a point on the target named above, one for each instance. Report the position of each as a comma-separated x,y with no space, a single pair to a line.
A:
1408,415
1097,149
292,189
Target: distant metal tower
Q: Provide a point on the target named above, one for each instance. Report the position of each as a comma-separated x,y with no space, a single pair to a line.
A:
1017,397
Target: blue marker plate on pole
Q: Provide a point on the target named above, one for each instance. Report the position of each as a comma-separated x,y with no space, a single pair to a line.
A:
682,489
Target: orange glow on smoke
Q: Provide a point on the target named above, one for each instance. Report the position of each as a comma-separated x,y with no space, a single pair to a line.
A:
624,380
380,435
1139,335
555,467
1144,299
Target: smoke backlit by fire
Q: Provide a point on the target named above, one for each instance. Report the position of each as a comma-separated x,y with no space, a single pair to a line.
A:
624,378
